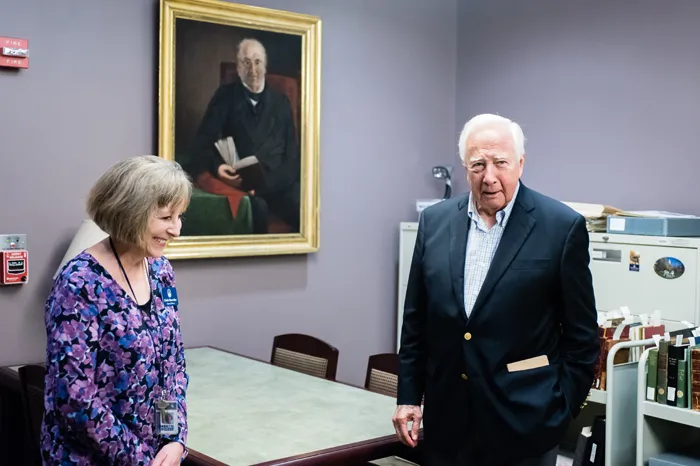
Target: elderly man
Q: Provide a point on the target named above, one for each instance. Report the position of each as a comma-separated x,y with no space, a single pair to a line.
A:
259,120
500,325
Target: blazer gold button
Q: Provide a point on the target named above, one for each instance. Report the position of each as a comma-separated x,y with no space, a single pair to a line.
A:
467,336
464,376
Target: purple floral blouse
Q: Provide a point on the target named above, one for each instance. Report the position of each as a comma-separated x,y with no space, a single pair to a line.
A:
106,359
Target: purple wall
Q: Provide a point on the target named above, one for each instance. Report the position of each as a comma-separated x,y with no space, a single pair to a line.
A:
607,92
388,93
607,95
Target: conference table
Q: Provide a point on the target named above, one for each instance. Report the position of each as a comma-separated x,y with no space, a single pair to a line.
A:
243,411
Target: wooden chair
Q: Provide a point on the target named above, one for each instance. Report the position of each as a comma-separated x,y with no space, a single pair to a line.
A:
383,377
31,380
304,353
383,374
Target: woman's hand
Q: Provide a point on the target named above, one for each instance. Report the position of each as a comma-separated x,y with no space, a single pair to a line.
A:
169,455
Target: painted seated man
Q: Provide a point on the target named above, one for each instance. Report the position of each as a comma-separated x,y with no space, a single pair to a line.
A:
260,122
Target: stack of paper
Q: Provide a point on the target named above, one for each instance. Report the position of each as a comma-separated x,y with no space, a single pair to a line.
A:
596,214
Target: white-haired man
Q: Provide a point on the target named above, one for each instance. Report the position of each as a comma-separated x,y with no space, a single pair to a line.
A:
500,327
260,121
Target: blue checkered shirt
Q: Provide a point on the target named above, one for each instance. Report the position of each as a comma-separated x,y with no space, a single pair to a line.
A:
482,243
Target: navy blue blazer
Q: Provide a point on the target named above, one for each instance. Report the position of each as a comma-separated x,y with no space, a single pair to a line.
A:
537,299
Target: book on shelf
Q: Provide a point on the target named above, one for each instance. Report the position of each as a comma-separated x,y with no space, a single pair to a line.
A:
661,372
618,326
583,445
594,453
248,168
673,370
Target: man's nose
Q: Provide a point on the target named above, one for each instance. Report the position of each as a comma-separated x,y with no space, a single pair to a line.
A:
489,174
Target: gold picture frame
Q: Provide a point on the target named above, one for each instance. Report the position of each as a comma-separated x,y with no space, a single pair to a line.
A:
199,51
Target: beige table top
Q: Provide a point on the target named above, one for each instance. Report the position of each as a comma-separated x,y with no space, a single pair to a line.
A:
242,411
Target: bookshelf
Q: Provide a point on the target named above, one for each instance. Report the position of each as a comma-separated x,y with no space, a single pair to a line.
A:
683,416
662,428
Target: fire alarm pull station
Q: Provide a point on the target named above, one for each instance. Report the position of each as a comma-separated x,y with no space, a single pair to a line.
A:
14,259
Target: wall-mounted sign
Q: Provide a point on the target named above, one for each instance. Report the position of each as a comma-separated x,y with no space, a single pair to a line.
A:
669,268
14,53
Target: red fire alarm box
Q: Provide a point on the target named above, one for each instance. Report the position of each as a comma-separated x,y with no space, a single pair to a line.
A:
14,53
14,260
14,267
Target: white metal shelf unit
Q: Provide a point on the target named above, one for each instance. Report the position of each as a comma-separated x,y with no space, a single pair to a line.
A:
662,428
621,406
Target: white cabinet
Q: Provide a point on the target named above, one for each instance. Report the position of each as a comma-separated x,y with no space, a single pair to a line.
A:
647,273
407,240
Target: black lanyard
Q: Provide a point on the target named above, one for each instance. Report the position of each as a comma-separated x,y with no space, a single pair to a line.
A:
161,377
114,250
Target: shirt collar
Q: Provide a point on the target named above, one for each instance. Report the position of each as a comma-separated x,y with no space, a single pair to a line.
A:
502,215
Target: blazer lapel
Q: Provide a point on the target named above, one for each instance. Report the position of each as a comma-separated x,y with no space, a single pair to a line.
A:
516,232
459,229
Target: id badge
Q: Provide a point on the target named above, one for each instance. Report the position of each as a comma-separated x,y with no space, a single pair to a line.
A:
166,418
170,296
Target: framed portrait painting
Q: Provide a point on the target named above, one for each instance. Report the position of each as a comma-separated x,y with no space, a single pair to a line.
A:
239,90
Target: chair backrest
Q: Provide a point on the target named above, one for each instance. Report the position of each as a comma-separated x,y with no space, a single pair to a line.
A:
31,380
382,374
304,353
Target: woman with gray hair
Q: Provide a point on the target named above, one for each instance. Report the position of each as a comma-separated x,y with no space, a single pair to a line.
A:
115,363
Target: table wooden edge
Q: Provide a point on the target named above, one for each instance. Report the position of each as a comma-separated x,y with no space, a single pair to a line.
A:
358,452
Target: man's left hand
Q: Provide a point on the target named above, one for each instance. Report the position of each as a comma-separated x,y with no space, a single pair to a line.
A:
169,455
402,416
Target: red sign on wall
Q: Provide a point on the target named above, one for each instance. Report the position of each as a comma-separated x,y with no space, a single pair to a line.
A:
14,53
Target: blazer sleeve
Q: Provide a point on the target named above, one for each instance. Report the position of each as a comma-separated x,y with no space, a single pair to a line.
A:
412,357
579,318
73,334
